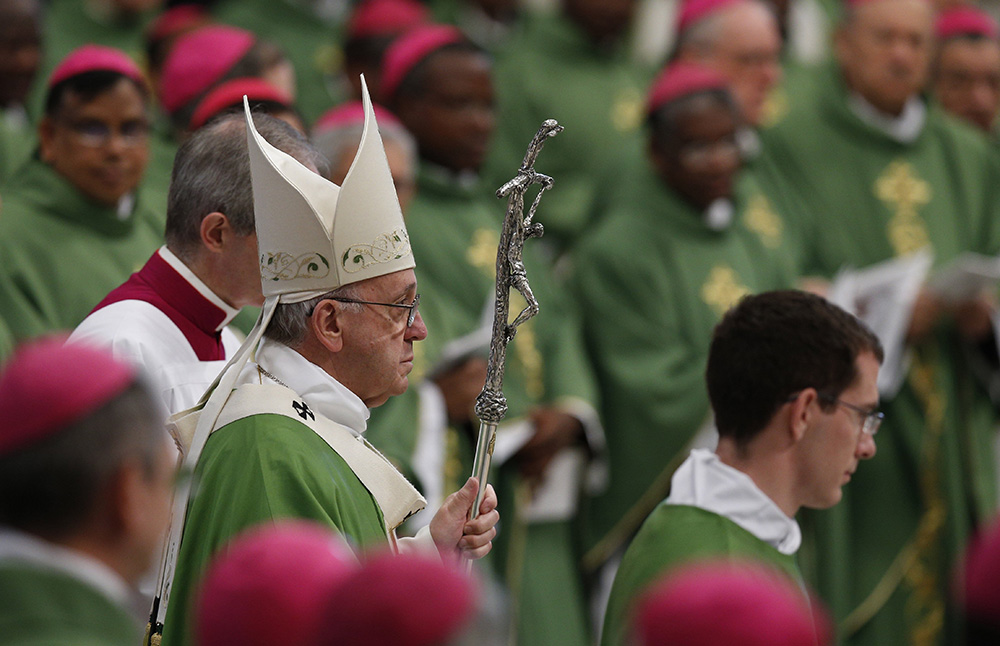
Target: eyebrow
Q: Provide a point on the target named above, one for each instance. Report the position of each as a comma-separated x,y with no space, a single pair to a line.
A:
406,290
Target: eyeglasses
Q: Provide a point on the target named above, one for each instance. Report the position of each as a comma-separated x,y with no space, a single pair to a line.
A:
412,306
697,154
870,419
95,134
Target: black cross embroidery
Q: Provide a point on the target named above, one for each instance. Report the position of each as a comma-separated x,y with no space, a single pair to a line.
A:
303,410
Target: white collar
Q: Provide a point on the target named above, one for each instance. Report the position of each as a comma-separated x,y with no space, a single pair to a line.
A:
19,546
178,265
704,481
324,394
905,128
719,214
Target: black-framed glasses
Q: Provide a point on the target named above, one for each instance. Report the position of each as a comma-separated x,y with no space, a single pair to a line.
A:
95,134
871,420
411,317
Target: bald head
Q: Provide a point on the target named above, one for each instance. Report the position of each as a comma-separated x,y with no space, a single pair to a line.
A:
883,48
743,42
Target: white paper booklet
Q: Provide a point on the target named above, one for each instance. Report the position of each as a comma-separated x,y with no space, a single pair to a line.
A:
882,295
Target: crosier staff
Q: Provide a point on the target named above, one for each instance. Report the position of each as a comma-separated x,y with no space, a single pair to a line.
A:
491,405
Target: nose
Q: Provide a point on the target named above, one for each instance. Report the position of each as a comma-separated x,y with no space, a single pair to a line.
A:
417,331
866,447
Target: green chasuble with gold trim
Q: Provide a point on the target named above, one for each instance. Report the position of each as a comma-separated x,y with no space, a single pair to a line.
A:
255,470
676,535
653,280
61,253
454,233
881,558
45,607
550,70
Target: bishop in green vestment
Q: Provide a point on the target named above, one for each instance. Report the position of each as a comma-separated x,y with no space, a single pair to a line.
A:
883,173
72,228
685,237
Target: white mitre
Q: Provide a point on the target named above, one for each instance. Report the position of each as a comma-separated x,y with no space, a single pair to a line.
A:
314,236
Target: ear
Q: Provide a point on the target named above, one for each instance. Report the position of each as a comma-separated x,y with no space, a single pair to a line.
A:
802,413
127,489
327,325
46,135
215,230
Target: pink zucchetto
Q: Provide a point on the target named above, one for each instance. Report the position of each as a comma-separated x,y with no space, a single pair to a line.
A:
95,58
681,79
47,385
409,49
693,11
176,20
720,604
385,17
980,594
270,585
406,599
199,59
231,94
965,20
352,113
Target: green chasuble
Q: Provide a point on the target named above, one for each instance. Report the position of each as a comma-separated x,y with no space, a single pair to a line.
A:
550,70
255,470
454,233
653,280
43,607
676,535
310,43
61,253
881,558
17,141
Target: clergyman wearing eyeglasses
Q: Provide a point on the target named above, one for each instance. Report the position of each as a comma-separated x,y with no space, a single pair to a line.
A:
792,382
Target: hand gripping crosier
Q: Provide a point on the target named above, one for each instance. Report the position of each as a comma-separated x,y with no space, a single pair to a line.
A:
491,405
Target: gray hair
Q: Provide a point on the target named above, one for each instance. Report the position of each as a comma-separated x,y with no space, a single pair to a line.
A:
333,142
212,174
702,38
290,322
52,487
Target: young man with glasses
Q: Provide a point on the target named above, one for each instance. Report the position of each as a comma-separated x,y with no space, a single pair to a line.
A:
792,381
72,228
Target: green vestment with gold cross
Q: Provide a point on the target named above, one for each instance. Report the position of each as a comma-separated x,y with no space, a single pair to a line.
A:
653,280
882,557
550,70
454,233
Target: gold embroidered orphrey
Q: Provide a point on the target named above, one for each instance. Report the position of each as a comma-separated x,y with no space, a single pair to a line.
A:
385,248
904,192
762,220
722,289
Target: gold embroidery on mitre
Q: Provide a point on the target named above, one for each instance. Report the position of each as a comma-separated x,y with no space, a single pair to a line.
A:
763,221
385,248
722,289
284,266
904,192
626,111
482,253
